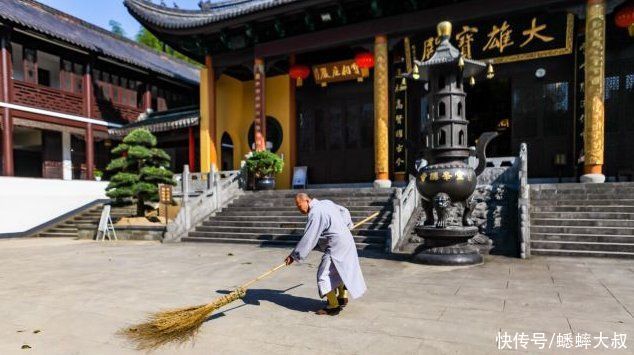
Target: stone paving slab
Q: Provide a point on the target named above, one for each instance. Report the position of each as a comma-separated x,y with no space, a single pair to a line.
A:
78,293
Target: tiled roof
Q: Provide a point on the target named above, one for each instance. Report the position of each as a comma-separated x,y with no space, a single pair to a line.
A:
172,18
162,121
46,20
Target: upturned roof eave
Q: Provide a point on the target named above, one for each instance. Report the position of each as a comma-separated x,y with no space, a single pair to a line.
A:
179,22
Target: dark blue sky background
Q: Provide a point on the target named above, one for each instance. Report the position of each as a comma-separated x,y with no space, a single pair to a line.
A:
100,12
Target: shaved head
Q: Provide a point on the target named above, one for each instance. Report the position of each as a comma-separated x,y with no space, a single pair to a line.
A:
302,196
302,201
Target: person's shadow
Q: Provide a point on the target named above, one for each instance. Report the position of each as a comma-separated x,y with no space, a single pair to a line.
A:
279,297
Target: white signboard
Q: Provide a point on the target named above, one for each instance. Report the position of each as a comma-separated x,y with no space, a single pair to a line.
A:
106,228
299,176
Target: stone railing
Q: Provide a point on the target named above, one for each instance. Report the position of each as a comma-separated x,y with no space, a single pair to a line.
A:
220,189
404,204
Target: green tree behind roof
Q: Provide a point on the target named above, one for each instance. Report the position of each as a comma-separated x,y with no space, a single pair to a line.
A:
147,38
139,169
116,28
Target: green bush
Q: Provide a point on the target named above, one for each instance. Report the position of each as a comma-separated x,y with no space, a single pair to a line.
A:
138,171
264,163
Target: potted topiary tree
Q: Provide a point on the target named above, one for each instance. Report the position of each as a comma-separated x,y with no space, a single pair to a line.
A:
264,165
139,169
98,174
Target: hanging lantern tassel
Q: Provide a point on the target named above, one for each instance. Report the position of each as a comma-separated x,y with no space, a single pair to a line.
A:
461,62
299,73
490,73
472,81
416,74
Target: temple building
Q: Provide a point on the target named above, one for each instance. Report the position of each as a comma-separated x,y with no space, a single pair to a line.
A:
321,82
68,89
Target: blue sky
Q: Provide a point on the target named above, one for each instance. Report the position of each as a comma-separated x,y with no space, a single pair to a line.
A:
100,12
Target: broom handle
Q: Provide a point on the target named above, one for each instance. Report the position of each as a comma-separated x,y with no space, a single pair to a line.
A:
247,284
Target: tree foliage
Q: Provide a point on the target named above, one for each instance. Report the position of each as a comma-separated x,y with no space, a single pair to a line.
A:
147,38
264,163
116,28
139,169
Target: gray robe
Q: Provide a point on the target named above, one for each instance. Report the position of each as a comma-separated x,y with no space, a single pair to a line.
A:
340,262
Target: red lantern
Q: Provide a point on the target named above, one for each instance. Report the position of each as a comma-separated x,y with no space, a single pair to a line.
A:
365,61
624,18
299,72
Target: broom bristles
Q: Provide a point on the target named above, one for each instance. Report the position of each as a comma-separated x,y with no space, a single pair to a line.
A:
175,325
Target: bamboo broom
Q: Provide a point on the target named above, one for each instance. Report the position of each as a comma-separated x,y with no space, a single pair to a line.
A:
182,324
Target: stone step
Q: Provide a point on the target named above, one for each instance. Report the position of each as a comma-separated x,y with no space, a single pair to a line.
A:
574,245
582,230
596,238
611,223
270,243
283,237
387,217
584,189
48,234
280,230
581,253
291,203
63,228
584,215
318,193
585,208
581,196
230,212
585,202
265,223
294,209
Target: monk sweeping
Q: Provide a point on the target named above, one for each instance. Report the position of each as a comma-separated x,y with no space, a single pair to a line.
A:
339,272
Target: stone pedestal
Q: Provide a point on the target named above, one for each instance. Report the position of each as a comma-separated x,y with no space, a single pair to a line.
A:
447,246
593,178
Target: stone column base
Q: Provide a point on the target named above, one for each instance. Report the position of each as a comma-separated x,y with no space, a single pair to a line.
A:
593,178
382,184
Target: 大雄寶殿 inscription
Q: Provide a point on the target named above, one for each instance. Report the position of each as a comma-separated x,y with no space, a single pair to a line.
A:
504,40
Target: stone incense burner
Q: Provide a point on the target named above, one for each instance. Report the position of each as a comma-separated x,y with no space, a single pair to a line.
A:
448,179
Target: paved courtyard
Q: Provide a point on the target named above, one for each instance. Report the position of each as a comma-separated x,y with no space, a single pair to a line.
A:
62,296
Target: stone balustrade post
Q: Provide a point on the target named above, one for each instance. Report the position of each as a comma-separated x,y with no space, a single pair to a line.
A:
185,186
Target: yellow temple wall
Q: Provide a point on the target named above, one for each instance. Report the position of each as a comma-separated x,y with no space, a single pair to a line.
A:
235,112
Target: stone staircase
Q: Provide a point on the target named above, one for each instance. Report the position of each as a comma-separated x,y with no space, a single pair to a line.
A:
271,218
68,228
583,219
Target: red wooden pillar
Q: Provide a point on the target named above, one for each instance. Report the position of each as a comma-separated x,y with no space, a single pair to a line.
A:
260,100
88,112
192,148
6,95
292,123
147,97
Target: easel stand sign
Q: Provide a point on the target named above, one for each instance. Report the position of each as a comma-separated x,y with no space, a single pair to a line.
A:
106,228
299,177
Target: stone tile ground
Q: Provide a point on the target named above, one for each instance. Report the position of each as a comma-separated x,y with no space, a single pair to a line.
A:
78,293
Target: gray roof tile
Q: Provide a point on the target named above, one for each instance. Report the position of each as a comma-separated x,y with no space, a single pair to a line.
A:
54,23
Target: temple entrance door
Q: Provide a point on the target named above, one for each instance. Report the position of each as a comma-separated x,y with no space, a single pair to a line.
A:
489,109
226,152
335,132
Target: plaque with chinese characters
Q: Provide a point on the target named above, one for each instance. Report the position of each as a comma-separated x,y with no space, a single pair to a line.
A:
336,71
505,39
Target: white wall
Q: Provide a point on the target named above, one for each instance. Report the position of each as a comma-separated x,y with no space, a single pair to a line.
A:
27,203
